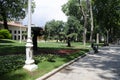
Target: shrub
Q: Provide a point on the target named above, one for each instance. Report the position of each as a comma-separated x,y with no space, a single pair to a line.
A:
1,36
5,34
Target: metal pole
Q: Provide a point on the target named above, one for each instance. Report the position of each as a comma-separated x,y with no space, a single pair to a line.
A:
29,63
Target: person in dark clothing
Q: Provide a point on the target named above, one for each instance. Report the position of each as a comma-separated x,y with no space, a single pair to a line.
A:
95,48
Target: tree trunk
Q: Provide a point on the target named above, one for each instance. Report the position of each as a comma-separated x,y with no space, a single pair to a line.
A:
35,42
107,37
97,38
84,33
68,42
91,15
85,23
5,21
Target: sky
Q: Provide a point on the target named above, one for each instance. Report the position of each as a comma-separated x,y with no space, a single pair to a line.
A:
47,10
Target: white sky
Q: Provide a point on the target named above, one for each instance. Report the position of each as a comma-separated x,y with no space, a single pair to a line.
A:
47,10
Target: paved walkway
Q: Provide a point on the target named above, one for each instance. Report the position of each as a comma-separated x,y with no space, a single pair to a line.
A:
104,65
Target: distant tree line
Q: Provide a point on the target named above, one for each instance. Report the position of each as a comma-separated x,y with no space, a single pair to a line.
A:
87,19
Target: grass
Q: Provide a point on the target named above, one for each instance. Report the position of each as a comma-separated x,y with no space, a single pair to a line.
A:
62,45
12,58
11,47
21,74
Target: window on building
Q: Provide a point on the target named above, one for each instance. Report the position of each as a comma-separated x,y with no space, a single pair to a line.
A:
18,32
10,31
22,37
15,37
19,37
15,32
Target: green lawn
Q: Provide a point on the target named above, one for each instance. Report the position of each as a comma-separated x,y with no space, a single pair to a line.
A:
12,58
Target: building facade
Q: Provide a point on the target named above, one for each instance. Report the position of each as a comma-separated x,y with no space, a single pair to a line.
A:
17,30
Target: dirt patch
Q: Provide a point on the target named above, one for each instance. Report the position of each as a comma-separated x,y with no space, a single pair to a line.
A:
60,51
47,51
67,51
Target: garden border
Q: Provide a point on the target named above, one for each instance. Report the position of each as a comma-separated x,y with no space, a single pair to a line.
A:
44,77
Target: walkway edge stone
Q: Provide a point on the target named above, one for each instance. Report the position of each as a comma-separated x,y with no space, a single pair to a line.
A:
59,68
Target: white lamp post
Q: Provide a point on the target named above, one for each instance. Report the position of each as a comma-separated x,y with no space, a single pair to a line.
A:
29,63
20,31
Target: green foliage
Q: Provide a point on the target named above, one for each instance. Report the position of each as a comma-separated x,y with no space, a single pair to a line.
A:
77,11
72,9
59,30
12,58
10,63
5,34
62,36
72,36
53,28
13,9
1,36
75,55
107,16
51,57
73,28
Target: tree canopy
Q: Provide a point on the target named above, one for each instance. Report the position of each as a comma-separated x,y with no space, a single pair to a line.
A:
13,10
107,16
53,28
78,9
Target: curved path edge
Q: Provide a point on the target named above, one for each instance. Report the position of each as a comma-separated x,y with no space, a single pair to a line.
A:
61,67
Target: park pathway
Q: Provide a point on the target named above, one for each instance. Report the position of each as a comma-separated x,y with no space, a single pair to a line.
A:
104,65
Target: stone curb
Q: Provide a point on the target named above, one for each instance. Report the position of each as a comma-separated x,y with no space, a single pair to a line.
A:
44,77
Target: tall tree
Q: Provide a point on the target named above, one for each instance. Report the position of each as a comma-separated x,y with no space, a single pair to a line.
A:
73,28
13,10
107,15
53,28
84,13
91,19
78,9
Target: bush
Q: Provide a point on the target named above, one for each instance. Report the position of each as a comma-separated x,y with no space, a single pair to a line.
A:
5,34
11,63
1,37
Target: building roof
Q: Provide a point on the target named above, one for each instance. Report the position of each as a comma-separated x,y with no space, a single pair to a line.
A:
14,24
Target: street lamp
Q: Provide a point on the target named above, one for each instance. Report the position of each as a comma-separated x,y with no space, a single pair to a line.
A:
29,63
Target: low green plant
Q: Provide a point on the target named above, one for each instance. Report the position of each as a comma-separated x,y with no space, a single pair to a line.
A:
10,63
51,57
5,34
14,59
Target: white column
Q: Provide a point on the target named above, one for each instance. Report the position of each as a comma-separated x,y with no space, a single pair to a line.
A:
21,31
29,63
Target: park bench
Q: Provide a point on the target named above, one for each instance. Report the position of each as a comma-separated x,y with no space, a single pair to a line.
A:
94,47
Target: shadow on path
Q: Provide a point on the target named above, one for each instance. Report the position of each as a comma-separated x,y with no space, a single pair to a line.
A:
104,65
